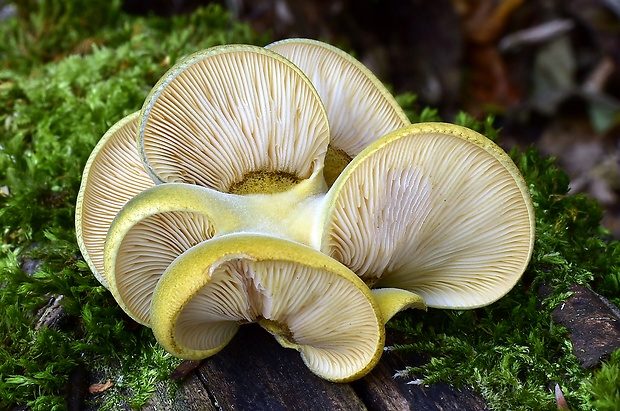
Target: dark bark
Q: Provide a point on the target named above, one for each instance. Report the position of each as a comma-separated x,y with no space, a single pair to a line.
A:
254,372
594,324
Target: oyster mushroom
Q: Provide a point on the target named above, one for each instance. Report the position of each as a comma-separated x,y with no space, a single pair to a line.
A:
112,176
234,142
308,301
359,107
436,209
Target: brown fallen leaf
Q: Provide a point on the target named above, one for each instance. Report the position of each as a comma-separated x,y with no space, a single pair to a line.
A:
96,389
559,399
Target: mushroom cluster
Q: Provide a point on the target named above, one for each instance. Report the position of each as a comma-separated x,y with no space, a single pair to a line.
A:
285,186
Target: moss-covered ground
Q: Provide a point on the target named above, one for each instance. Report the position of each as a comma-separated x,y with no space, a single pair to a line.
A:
69,70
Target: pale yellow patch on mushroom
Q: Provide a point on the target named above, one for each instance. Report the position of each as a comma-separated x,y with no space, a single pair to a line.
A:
391,301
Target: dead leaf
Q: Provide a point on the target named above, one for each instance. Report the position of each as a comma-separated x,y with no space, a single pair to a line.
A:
559,399
97,389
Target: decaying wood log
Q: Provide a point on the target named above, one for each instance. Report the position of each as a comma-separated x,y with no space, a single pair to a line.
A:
594,324
254,372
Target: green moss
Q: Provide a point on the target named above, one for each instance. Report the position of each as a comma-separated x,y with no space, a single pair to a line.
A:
605,385
49,30
69,70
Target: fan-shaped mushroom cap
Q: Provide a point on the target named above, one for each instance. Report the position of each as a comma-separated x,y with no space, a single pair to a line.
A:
234,118
359,107
112,176
435,209
163,221
153,229
309,301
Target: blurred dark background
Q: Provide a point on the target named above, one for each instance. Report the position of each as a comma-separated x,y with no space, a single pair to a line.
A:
548,70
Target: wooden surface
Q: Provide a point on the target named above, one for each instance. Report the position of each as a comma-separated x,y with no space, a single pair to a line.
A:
254,373
594,324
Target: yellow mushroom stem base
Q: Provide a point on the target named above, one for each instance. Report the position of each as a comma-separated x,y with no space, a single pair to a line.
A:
281,332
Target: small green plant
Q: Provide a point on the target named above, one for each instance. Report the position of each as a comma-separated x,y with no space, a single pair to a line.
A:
605,384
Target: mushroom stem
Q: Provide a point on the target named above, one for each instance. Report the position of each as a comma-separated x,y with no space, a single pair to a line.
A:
281,333
293,214
391,301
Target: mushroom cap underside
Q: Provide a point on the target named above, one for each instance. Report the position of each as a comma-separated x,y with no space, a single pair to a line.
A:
234,118
309,301
112,176
436,209
359,106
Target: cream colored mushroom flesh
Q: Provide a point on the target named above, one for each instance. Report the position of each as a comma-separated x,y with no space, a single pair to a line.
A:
308,301
436,209
280,185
